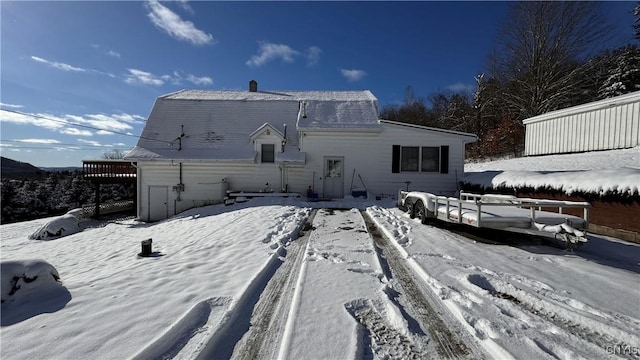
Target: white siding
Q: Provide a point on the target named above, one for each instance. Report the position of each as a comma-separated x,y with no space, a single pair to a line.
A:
368,153
371,157
608,124
203,183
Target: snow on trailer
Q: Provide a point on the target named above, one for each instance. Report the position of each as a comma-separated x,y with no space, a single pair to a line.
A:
502,212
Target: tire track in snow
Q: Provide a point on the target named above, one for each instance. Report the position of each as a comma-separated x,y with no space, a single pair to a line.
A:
448,342
269,316
384,339
238,321
582,327
193,322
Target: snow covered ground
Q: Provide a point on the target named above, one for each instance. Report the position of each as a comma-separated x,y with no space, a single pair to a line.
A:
274,278
597,172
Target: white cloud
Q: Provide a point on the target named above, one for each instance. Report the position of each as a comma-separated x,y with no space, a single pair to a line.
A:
269,51
58,65
104,122
135,119
169,22
111,53
462,88
68,124
313,55
90,142
353,75
76,132
136,76
39,141
205,80
185,6
10,105
197,80
104,132
46,121
67,67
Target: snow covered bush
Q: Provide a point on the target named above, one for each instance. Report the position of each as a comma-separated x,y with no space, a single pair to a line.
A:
25,278
30,288
64,225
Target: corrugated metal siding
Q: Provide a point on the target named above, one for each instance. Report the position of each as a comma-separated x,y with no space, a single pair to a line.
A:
608,124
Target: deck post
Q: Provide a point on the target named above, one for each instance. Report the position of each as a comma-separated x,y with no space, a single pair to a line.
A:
96,212
533,213
447,207
586,217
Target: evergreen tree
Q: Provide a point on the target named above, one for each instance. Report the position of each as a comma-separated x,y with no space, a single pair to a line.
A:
636,26
623,72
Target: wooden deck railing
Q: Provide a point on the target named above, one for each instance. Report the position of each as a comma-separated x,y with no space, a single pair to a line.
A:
108,170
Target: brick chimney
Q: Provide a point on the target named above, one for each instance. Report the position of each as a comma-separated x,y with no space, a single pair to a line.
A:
253,86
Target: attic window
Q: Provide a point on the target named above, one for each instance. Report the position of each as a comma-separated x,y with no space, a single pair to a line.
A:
268,153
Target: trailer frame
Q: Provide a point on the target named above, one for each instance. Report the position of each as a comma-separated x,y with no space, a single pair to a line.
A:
502,212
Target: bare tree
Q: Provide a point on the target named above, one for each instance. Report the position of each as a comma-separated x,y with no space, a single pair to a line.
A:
541,51
113,155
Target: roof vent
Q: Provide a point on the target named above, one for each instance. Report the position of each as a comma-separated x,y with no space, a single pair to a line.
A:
253,86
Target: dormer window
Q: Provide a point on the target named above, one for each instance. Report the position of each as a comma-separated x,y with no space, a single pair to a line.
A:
268,141
268,152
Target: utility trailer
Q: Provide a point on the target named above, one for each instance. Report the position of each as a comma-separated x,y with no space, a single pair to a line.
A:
502,212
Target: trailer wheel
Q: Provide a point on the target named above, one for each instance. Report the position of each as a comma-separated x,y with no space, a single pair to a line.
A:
410,209
420,212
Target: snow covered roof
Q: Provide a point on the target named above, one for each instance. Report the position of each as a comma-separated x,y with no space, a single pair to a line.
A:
217,125
364,95
597,172
602,104
468,138
341,115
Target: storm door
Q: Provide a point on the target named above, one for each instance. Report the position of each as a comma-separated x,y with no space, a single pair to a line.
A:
333,177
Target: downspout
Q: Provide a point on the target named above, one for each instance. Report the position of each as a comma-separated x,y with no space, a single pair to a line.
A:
180,184
178,188
138,189
284,141
282,183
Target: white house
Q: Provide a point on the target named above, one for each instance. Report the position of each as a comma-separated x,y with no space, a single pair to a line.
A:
602,125
197,144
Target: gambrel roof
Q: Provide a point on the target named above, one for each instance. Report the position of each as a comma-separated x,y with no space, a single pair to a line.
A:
217,125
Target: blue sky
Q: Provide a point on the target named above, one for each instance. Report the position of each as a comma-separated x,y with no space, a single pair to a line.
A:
89,72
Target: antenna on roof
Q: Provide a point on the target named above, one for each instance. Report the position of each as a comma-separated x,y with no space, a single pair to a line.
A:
284,141
179,138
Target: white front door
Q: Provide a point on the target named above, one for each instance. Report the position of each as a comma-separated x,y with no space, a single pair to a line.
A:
333,177
158,198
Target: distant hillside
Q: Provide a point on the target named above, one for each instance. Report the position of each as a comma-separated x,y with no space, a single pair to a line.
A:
60,169
16,168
